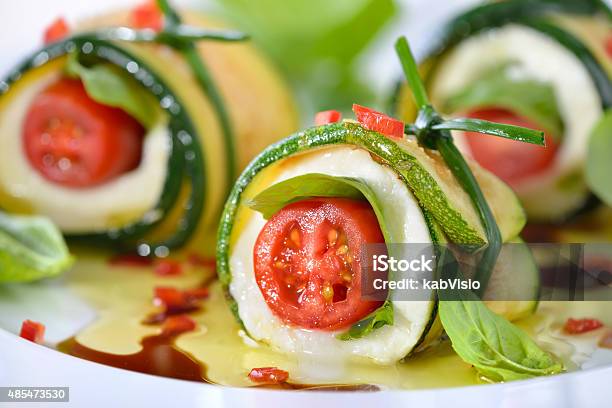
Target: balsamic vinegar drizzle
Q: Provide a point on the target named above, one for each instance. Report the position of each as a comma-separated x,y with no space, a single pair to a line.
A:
157,357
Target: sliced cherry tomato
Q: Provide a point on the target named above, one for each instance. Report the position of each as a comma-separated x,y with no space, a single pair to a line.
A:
174,325
168,267
578,326
147,15
268,375
32,331
307,262
74,141
328,116
56,30
510,160
379,122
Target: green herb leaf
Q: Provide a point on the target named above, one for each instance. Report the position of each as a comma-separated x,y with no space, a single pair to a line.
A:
531,99
317,43
599,159
518,133
380,317
31,248
411,71
271,200
109,85
497,349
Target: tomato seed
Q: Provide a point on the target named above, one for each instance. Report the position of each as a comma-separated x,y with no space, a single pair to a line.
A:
327,292
332,237
280,265
343,249
346,276
295,237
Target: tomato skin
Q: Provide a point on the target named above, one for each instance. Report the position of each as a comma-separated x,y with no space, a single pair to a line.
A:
33,331
509,160
268,375
147,15
609,45
579,326
72,140
57,30
379,122
307,262
326,117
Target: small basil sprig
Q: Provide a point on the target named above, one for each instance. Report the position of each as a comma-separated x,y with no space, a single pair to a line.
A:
432,131
31,248
499,350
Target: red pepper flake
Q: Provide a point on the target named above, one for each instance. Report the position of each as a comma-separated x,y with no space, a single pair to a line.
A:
201,261
606,340
578,326
328,116
57,30
174,325
168,267
147,15
196,293
268,375
379,122
170,297
132,260
32,331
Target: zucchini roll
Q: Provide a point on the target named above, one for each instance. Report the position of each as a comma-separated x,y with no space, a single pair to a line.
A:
293,229
129,142
543,64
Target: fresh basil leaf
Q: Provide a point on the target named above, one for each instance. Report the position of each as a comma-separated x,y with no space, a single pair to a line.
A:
380,317
31,248
599,159
277,196
498,350
317,43
529,98
109,85
271,200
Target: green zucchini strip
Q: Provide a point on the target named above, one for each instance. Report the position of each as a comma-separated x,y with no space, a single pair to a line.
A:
185,161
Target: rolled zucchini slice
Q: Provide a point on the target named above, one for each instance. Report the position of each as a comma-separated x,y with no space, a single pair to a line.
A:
188,157
537,62
415,199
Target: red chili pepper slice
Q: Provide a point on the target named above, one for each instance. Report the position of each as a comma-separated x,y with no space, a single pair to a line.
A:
379,122
147,15
201,261
326,117
578,326
33,331
197,293
268,375
57,30
609,45
174,325
168,267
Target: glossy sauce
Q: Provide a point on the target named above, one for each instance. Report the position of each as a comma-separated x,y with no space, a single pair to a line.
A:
218,352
